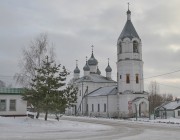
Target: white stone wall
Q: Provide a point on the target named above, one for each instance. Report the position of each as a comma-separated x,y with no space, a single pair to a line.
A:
86,73
76,75
111,107
21,105
123,103
108,75
91,87
130,63
93,68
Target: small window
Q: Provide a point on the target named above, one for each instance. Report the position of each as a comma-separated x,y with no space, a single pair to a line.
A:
135,46
120,76
2,105
12,106
79,92
137,78
178,112
98,107
104,107
92,107
127,78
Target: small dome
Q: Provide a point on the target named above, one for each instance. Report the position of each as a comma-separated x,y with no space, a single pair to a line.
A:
92,61
76,70
86,67
108,68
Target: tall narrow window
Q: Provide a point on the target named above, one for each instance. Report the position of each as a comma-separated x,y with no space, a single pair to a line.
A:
2,105
120,48
127,78
135,46
137,78
104,107
12,106
79,92
98,107
92,107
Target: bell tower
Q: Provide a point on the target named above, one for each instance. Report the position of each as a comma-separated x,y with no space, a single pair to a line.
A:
129,59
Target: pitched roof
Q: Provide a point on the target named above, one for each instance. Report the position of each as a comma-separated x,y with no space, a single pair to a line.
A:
96,78
11,91
172,105
104,91
128,31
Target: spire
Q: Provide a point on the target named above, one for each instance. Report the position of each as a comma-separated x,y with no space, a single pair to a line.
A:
128,30
128,13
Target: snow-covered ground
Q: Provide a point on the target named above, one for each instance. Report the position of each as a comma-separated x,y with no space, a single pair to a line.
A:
21,128
24,128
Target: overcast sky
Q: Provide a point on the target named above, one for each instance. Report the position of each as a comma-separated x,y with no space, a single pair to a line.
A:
74,25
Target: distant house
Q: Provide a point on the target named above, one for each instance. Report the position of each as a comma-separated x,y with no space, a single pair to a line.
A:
11,103
167,110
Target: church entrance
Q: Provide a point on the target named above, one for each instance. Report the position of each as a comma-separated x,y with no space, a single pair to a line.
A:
141,108
143,111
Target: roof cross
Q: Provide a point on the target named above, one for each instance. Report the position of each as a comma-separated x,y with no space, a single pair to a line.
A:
92,48
76,63
128,5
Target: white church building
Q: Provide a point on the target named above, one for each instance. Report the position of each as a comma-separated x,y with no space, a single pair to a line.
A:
101,96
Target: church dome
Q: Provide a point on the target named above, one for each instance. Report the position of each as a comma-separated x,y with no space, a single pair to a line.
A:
86,67
108,68
76,70
92,61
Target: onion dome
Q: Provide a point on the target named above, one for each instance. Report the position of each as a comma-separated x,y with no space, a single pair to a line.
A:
108,68
76,70
86,67
98,71
92,60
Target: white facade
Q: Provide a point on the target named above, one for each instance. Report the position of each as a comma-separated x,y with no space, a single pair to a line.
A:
101,96
11,104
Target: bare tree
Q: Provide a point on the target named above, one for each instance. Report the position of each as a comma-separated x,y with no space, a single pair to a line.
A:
32,59
155,99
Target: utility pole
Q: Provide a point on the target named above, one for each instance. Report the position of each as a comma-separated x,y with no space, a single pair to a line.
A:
82,96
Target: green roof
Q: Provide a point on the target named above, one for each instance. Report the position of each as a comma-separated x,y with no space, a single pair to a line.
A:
11,91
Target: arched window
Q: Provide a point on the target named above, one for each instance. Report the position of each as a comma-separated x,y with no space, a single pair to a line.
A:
137,78
135,47
120,47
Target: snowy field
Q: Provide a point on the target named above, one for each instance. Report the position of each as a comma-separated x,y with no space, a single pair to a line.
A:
24,128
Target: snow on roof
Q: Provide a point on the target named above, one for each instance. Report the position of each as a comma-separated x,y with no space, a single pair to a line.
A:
104,91
14,91
96,78
172,105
